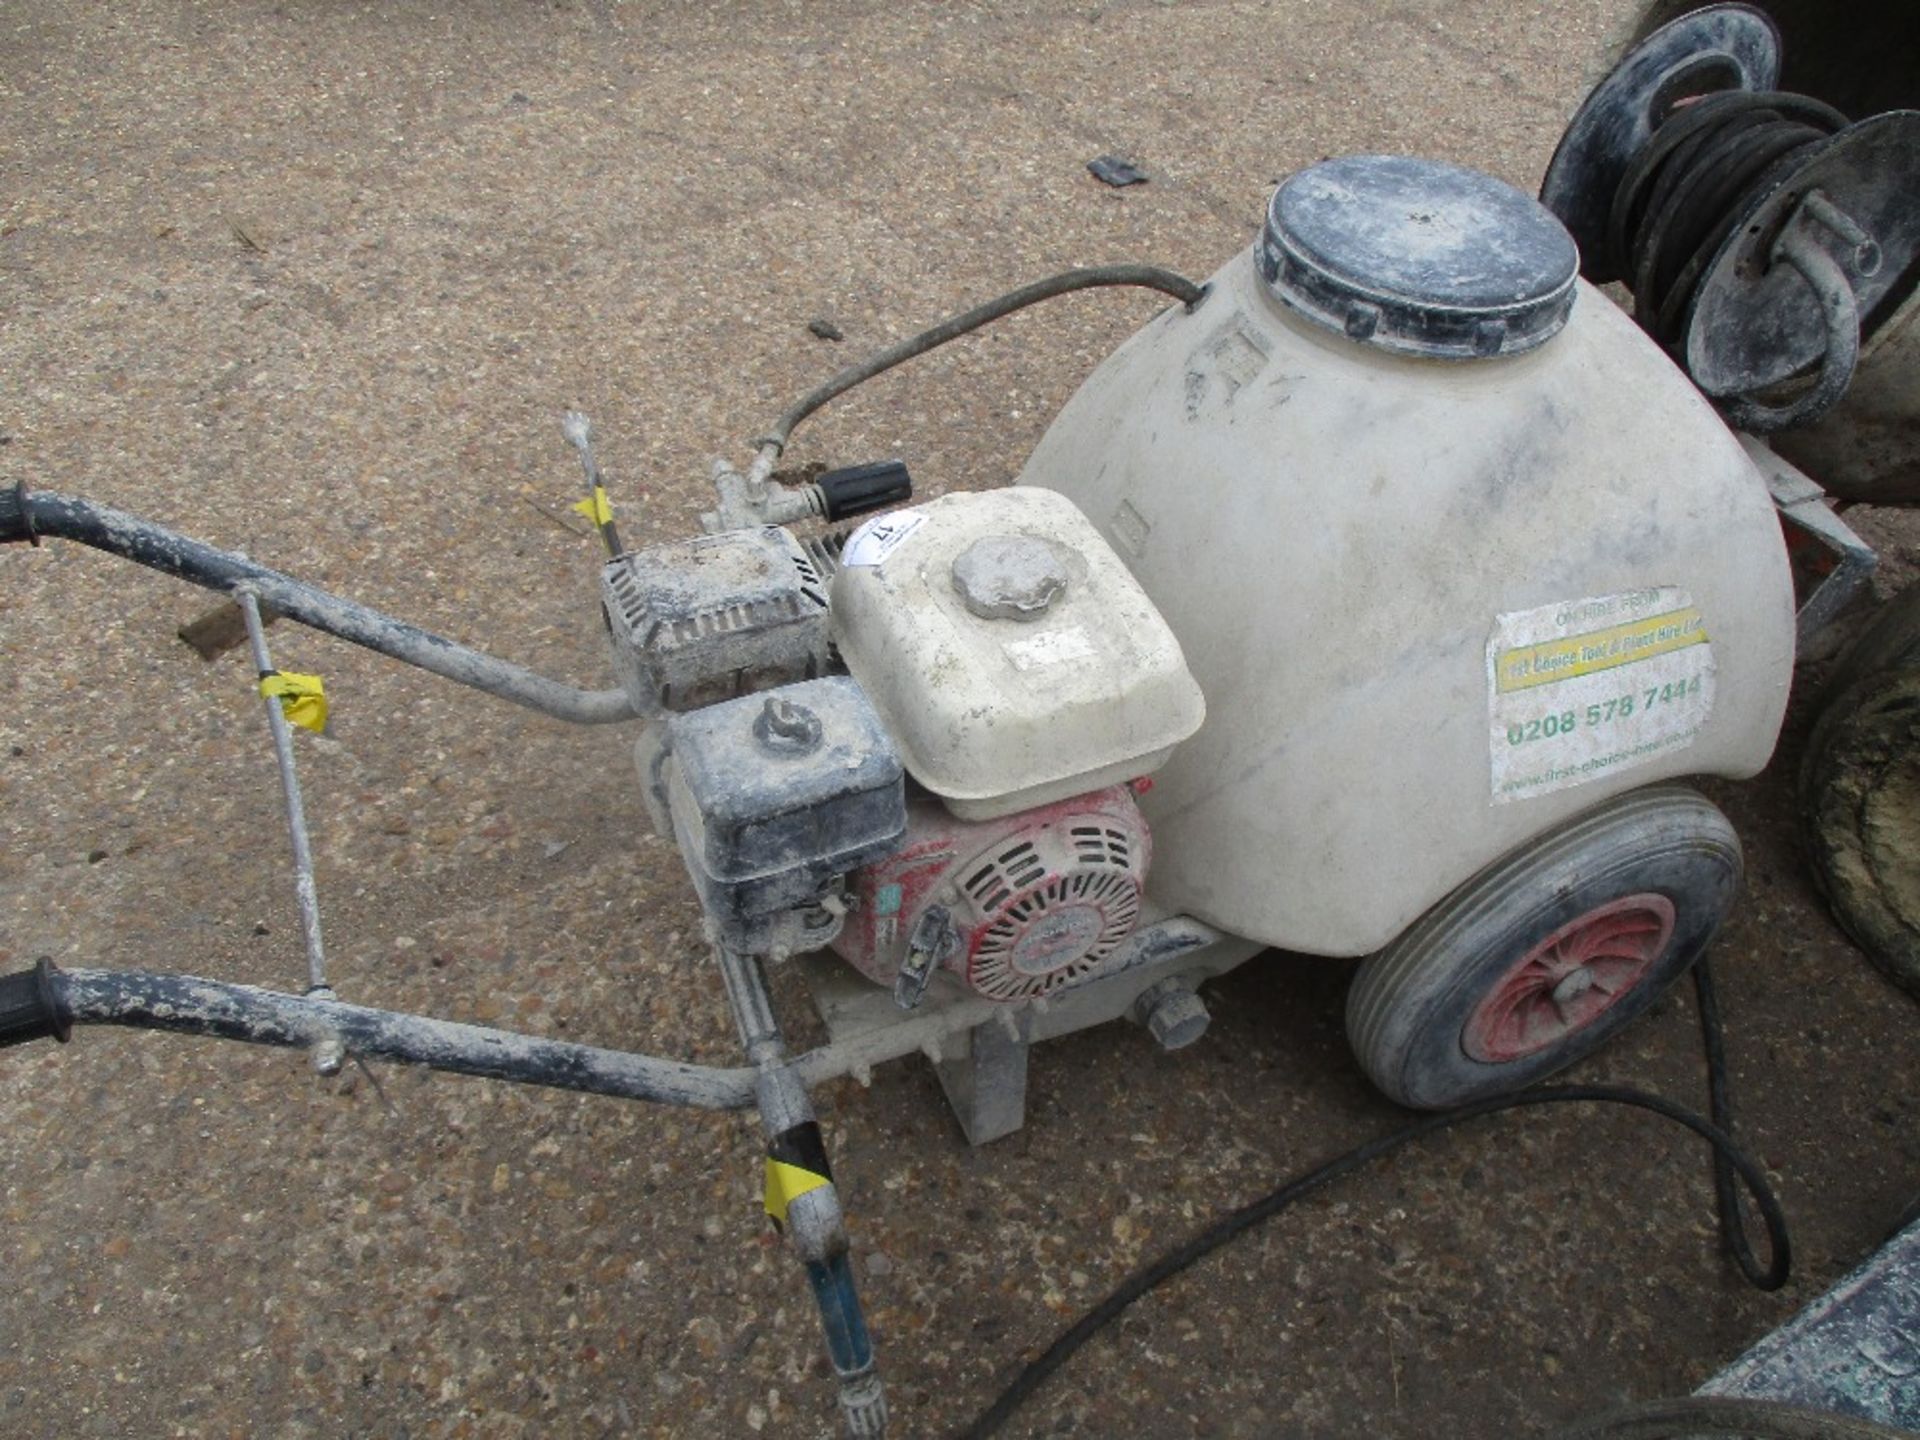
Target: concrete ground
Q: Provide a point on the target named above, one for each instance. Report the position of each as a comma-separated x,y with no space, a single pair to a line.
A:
316,280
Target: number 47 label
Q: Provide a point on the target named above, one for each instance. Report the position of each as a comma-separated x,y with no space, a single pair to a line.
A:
1587,688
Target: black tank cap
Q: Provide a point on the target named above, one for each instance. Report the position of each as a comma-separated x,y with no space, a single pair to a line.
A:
1419,257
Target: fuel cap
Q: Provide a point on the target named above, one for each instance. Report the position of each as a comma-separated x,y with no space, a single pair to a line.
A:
1418,257
1009,577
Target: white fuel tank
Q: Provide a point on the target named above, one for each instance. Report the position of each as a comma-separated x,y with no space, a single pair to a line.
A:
1010,655
1454,551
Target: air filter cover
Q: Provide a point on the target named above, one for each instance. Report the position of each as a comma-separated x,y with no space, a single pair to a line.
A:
698,621
1418,257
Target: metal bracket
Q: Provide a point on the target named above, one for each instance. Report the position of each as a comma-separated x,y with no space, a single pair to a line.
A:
978,1047
986,1082
1832,565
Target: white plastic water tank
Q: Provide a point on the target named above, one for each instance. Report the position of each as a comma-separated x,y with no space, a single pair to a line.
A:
1453,550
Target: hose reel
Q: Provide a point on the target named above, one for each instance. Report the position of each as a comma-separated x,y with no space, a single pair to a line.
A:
1764,237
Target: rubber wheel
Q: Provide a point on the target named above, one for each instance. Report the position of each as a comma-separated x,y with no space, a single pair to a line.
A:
1544,955
1860,811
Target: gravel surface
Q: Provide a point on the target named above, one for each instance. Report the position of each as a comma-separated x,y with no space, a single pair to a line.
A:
316,280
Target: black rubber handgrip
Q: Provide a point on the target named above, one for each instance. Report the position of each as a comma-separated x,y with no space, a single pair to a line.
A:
30,1007
860,488
15,523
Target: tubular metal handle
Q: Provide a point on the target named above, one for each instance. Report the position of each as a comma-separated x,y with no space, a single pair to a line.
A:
16,522
67,517
30,1007
1834,292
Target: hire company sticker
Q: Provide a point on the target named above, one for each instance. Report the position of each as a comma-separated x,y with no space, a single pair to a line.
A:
1586,688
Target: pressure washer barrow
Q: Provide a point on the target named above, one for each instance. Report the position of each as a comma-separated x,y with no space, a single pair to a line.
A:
1345,610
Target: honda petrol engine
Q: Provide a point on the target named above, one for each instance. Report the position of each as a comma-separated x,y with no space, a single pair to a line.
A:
1000,661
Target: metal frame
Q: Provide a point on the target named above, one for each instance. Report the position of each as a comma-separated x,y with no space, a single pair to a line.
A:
196,1005
33,514
979,1049
1843,562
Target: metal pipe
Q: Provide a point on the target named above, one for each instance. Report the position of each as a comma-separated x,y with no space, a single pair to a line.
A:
802,1198
190,1005
303,885
145,543
194,1005
579,432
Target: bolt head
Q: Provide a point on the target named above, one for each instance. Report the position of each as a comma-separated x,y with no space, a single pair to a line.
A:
1573,985
1177,1018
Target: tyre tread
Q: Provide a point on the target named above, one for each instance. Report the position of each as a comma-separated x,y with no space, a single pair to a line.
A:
1682,819
1861,735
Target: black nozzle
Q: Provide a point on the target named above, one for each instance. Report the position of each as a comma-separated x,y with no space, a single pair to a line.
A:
860,488
30,1007
16,524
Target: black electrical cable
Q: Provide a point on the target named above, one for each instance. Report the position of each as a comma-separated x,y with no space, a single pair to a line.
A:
1150,277
1729,1162
1692,183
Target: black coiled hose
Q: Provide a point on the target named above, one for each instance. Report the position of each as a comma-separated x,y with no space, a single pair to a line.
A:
1693,183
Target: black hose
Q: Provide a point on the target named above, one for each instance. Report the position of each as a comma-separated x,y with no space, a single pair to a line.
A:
1149,277
1692,183
1729,1160
1713,1417
1726,1196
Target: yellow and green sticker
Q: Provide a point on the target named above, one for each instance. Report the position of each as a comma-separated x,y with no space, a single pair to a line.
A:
1569,657
1583,689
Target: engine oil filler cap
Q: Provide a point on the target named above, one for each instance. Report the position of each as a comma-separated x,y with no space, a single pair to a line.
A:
1009,577
1418,257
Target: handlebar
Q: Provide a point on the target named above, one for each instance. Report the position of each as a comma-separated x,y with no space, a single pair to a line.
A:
26,515
30,1007
16,524
47,1001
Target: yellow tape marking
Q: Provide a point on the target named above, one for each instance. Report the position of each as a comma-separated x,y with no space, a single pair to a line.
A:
596,507
786,1184
1526,666
303,699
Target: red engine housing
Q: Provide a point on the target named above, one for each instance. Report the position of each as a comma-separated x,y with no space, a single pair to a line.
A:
1038,898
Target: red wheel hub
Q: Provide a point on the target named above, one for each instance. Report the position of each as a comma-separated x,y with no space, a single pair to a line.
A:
1570,979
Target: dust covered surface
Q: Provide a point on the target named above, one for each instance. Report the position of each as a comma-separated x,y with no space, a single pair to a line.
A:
317,281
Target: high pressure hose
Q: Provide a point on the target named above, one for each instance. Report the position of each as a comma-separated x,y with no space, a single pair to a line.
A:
1150,277
1730,1163
1691,185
